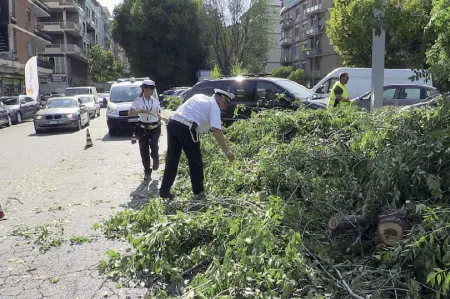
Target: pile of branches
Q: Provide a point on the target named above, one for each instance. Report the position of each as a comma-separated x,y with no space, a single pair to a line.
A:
307,210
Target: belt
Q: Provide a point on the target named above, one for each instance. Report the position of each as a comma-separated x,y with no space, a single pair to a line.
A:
149,126
182,120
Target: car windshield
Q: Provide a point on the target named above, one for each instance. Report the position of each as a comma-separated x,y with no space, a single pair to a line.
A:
124,93
296,89
75,91
85,100
61,103
10,101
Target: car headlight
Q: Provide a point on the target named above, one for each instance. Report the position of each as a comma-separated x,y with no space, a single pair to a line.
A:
70,115
112,110
39,117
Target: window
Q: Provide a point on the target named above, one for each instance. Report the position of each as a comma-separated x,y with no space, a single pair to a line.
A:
243,90
389,94
304,8
207,88
297,31
267,91
28,16
411,93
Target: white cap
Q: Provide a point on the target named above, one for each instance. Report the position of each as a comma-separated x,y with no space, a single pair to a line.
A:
148,83
224,93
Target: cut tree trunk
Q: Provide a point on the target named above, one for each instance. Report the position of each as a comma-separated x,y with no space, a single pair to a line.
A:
392,227
348,222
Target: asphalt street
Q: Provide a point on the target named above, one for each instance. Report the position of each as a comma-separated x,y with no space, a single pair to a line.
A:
52,191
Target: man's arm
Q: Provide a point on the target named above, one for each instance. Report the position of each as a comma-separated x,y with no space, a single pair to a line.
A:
223,144
338,92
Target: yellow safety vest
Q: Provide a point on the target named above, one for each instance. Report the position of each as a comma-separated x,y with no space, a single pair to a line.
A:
332,100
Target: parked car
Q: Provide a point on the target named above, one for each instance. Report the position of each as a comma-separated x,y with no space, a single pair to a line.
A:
400,95
103,99
255,92
5,117
123,93
91,103
62,113
20,107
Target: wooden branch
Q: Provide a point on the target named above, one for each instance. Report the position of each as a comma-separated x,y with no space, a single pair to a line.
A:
348,222
347,286
392,227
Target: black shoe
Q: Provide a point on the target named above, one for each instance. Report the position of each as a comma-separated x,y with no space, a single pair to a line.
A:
147,175
155,164
167,195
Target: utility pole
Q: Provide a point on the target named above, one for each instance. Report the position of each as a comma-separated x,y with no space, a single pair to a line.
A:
378,48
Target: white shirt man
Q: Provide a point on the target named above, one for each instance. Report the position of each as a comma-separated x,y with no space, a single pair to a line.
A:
150,105
198,114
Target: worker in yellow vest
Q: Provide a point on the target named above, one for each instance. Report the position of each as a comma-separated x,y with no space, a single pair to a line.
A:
339,94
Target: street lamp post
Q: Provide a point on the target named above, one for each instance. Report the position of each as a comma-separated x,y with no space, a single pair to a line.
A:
378,49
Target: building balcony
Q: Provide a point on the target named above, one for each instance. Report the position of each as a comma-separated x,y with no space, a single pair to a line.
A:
68,5
91,39
286,24
313,31
40,9
69,49
310,53
317,9
44,63
69,27
285,42
91,26
39,32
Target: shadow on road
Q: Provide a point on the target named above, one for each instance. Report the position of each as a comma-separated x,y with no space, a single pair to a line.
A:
119,137
51,132
140,196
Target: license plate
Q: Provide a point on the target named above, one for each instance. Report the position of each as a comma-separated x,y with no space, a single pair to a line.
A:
54,122
132,120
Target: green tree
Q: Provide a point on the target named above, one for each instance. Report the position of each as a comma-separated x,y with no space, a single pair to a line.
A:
239,31
298,76
162,39
103,66
352,21
215,72
438,54
282,71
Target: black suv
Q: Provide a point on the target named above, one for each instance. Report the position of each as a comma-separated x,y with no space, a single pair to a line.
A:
256,93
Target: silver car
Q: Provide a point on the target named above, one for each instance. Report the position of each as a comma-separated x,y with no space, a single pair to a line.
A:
91,103
62,113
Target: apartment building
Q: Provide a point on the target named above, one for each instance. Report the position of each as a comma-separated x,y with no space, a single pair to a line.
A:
26,39
74,28
304,41
273,57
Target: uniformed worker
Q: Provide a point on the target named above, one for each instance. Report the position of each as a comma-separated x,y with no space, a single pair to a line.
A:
198,114
148,128
339,94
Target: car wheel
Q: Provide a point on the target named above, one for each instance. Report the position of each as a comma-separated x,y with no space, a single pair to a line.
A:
112,132
9,122
18,118
88,121
98,113
78,125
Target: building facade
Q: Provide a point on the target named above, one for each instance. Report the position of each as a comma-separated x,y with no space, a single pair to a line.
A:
273,57
25,41
304,41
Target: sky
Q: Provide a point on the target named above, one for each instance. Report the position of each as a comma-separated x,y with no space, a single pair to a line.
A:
110,4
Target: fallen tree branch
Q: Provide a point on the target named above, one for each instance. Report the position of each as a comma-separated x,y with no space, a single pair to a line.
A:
347,286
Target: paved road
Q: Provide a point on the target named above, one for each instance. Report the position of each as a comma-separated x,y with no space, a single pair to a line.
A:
53,190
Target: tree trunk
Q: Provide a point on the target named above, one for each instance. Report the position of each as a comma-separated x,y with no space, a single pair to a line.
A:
392,227
348,222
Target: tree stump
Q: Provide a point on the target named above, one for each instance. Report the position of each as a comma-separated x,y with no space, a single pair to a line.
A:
392,227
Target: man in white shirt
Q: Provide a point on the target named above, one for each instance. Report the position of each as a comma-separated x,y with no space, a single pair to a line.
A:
198,114
148,130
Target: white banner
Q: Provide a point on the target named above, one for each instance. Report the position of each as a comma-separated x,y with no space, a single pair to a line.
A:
31,78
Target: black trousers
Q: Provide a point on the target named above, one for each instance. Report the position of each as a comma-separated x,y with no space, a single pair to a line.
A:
179,138
148,140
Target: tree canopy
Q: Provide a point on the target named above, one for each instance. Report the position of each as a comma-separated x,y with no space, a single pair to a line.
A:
103,66
162,39
352,21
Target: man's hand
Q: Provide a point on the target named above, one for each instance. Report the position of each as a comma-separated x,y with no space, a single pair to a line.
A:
230,156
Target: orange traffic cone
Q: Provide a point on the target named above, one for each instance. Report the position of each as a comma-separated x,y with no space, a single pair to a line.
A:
2,214
133,138
88,140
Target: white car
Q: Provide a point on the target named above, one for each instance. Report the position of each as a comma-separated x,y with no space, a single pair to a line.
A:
122,95
91,103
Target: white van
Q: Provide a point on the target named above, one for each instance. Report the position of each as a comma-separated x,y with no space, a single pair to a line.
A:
361,80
